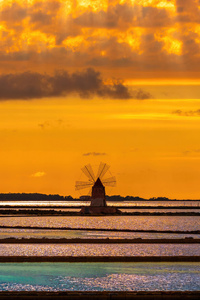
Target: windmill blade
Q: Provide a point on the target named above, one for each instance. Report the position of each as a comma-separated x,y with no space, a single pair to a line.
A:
111,181
79,185
87,170
103,168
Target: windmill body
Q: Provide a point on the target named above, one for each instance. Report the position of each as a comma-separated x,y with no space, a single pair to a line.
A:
98,197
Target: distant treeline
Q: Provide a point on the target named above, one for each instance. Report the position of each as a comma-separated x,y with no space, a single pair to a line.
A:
56,197
33,197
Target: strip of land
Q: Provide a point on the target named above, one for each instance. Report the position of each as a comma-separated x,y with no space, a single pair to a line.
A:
114,295
11,206
24,212
4,259
97,241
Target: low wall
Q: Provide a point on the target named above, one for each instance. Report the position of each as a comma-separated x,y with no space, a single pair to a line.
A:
99,259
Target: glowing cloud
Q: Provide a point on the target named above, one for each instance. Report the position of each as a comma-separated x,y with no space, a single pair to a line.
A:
38,174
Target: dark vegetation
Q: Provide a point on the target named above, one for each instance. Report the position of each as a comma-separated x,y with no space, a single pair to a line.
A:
56,197
33,197
40,212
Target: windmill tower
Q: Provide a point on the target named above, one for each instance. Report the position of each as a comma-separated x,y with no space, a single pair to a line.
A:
98,197
98,203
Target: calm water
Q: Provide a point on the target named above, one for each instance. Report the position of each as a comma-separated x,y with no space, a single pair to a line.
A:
99,276
71,234
186,223
106,222
118,203
99,249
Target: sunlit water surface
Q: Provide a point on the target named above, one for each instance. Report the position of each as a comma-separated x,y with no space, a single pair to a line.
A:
99,276
144,203
185,223
99,250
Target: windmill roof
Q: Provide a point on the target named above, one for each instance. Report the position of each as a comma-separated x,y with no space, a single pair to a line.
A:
98,182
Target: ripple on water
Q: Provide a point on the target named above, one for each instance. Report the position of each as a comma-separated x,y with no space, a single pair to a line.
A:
100,250
99,276
186,223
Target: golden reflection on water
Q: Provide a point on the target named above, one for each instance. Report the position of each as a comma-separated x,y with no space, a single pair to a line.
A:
99,249
186,223
99,276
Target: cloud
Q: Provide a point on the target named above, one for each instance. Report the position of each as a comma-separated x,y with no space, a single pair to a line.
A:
44,125
38,174
187,10
123,15
189,113
88,83
131,37
94,154
48,124
141,94
194,153
114,16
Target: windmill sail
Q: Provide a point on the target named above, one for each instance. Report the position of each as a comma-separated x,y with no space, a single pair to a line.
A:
87,170
103,168
111,181
79,185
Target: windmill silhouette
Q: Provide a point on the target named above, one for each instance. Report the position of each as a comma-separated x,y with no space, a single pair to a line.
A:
97,183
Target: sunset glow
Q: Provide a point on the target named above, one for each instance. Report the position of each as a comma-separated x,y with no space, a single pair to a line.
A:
96,80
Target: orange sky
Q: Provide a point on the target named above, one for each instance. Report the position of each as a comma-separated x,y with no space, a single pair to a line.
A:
89,81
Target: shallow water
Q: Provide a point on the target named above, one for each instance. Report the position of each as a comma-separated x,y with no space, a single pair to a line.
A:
99,276
185,223
71,234
99,249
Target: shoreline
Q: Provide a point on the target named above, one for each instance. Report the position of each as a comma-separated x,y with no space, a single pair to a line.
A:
97,241
40,213
80,206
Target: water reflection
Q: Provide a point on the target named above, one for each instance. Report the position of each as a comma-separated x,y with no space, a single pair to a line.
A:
71,234
184,223
99,249
144,203
99,276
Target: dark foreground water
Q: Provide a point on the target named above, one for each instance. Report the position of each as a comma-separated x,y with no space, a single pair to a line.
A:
99,276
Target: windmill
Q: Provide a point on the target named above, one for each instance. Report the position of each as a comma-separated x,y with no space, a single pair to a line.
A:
97,183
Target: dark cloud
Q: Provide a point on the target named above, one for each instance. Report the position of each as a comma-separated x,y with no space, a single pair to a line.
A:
94,154
114,16
44,125
124,15
142,95
40,17
86,84
15,56
194,152
189,113
152,17
188,11
13,13
47,124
